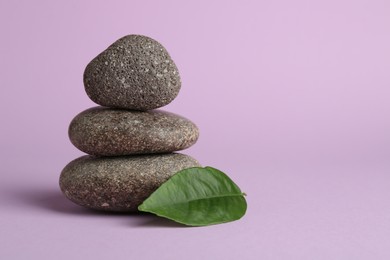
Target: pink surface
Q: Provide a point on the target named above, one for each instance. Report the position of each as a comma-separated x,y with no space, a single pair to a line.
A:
291,97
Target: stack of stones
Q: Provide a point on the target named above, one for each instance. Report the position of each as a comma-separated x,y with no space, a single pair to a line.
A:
130,145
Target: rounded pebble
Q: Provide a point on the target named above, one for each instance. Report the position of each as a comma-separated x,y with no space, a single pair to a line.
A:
135,72
113,132
119,183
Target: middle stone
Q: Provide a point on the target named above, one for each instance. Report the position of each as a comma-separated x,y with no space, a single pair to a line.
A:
113,132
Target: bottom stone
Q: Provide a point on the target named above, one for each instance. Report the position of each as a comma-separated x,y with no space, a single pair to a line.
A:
119,183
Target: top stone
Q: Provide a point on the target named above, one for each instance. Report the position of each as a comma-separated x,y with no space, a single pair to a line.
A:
135,72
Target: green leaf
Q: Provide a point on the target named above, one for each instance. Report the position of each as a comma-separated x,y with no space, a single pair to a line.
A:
197,197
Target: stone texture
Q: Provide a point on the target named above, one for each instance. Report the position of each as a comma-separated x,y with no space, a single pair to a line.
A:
112,132
119,183
135,72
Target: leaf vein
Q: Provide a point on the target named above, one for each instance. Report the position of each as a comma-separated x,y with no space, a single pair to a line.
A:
198,199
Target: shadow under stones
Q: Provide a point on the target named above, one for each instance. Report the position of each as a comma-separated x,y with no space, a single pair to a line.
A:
53,200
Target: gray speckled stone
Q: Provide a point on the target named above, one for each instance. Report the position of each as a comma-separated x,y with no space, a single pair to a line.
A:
119,183
112,132
135,72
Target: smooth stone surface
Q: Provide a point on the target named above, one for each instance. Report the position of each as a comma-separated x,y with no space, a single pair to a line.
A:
112,132
135,72
119,183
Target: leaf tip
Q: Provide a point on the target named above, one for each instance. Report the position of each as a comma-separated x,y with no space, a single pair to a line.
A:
141,207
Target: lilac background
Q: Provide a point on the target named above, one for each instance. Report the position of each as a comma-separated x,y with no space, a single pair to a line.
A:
291,97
